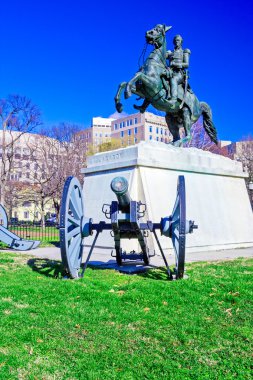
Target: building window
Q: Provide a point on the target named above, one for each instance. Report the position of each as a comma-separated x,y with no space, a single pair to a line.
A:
157,139
161,139
135,120
135,130
26,153
157,130
18,153
161,131
127,123
150,129
27,204
150,137
122,133
129,132
26,214
135,140
130,122
123,124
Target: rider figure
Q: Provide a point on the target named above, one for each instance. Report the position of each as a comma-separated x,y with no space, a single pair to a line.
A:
175,74
179,61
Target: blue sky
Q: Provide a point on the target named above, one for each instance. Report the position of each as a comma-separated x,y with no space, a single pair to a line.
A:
70,56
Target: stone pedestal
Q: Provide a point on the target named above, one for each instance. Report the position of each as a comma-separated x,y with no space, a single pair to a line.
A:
216,195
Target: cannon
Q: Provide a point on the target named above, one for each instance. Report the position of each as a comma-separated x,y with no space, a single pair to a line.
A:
126,222
11,239
125,214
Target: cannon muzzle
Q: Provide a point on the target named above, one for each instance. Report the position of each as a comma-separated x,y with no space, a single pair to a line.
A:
119,186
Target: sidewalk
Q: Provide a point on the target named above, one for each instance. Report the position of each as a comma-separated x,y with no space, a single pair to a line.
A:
103,259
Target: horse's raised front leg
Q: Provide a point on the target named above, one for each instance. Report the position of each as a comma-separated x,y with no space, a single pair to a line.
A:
128,91
149,82
118,105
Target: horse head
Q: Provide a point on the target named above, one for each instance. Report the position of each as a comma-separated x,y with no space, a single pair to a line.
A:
156,35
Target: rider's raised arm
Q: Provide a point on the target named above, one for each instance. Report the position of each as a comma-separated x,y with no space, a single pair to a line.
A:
186,58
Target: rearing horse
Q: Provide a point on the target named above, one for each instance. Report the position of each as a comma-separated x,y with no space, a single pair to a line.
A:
148,83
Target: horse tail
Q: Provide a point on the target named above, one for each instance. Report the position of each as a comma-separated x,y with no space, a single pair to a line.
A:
208,122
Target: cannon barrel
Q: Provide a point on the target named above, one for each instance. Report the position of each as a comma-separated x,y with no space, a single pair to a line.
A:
119,186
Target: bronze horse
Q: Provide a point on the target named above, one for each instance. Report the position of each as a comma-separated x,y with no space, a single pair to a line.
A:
148,83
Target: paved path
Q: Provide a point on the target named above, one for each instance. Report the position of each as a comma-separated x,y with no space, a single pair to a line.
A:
103,259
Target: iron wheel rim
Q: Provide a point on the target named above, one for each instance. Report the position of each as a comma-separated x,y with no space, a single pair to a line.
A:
178,228
71,215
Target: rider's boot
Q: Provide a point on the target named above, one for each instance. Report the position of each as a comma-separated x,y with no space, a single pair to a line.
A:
173,88
172,101
143,107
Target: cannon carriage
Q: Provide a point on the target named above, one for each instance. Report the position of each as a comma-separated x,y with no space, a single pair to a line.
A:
11,239
125,221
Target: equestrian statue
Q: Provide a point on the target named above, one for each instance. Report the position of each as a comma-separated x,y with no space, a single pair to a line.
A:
167,89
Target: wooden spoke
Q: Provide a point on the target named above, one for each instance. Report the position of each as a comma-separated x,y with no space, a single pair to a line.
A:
3,217
70,227
178,228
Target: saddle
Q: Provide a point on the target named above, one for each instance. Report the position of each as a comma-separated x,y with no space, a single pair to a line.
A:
166,85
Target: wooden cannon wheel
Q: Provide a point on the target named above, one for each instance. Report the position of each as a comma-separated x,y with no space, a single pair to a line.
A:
178,228
71,216
3,217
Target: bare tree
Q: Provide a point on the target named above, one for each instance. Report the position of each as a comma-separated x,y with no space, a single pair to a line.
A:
18,115
201,140
243,151
56,154
72,157
245,155
111,145
14,195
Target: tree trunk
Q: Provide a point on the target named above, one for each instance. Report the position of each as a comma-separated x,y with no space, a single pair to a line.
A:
42,214
57,209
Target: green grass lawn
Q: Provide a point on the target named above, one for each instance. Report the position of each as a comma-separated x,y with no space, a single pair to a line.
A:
114,326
